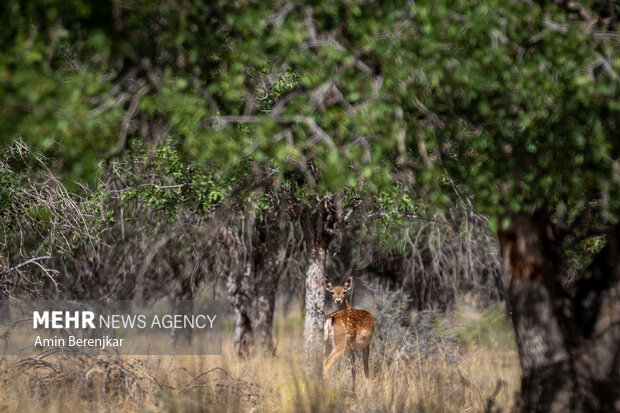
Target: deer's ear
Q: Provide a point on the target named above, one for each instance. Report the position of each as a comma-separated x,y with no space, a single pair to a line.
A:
328,285
348,284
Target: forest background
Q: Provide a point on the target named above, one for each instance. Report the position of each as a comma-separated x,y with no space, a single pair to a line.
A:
450,156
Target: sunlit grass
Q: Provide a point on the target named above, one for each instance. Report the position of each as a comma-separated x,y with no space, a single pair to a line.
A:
487,328
455,379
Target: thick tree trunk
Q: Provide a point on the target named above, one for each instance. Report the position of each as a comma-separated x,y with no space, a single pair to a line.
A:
319,225
315,309
252,292
237,285
243,336
318,228
568,339
265,305
269,265
242,308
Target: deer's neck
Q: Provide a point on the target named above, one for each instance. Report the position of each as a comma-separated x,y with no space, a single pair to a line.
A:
344,305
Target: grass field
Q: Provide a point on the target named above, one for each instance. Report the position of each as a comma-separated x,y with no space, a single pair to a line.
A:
467,364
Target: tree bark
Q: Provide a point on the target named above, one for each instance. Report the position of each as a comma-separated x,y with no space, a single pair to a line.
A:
254,268
568,338
315,309
270,255
237,285
318,228
319,225
266,289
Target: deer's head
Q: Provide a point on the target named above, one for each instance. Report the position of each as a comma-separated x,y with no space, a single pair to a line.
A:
338,292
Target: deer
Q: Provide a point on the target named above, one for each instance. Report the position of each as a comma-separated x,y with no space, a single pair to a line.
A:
346,330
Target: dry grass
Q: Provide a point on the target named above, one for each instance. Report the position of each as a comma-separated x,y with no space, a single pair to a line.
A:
451,378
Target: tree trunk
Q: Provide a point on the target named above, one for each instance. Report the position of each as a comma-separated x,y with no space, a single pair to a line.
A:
318,228
244,335
237,285
318,225
269,266
315,309
568,338
252,292
265,304
242,308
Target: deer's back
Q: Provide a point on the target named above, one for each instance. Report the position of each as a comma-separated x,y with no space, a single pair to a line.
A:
356,327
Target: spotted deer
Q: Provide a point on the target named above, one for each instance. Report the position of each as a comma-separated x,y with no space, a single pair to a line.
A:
346,329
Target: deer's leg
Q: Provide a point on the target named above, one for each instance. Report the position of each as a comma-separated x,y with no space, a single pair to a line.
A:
366,354
352,356
332,358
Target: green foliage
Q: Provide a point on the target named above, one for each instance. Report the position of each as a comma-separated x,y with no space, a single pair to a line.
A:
539,122
165,183
594,244
289,326
489,328
516,102
6,184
